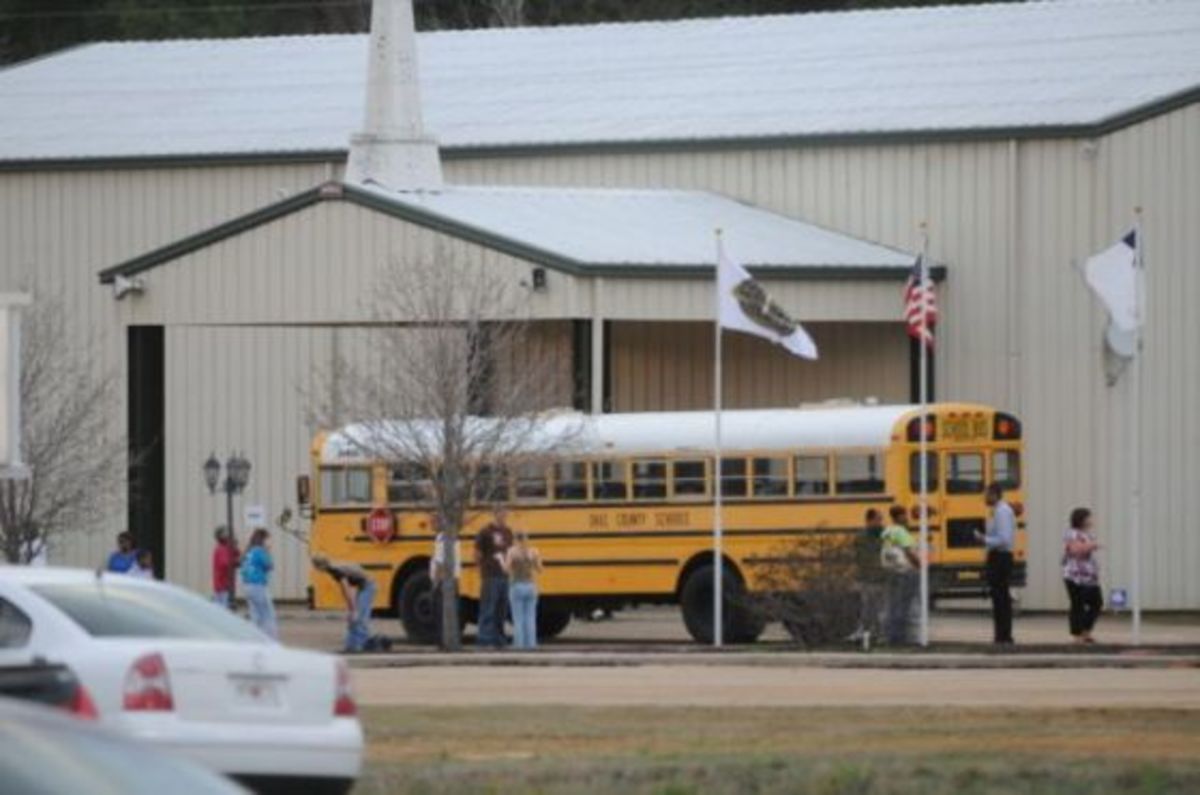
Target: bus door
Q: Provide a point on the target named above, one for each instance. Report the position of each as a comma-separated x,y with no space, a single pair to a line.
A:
963,511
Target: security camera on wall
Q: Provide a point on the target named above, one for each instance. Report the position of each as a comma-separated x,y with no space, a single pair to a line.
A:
123,286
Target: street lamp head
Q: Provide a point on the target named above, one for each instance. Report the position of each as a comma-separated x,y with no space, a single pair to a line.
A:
212,472
238,468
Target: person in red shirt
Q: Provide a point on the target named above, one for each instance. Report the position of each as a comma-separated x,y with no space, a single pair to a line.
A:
224,564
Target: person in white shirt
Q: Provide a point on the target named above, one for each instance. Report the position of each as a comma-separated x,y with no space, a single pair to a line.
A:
143,565
999,539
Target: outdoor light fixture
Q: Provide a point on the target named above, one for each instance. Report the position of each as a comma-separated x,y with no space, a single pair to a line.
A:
212,472
237,475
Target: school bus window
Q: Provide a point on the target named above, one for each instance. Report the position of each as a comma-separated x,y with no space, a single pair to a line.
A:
812,475
649,480
350,486
531,483
408,483
690,478
964,473
859,474
733,477
914,471
1006,469
608,480
491,486
770,477
570,481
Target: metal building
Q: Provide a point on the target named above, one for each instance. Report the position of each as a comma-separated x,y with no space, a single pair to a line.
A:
1022,135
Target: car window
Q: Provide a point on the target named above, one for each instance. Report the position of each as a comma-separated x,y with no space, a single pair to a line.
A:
107,608
15,626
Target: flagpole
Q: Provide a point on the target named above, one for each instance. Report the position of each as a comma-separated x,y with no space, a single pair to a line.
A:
718,530
1135,407
923,391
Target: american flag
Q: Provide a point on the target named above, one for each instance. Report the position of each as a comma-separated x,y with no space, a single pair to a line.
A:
920,300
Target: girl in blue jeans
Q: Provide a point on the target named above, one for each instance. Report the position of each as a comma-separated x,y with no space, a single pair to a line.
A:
522,563
256,582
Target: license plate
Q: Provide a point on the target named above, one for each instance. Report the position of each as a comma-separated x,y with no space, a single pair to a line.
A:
255,692
968,575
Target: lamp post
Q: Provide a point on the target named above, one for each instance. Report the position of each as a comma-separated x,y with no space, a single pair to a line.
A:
237,475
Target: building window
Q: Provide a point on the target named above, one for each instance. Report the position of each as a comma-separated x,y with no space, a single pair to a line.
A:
859,474
812,475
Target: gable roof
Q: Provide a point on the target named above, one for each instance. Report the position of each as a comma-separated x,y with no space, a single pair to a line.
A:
1037,68
594,231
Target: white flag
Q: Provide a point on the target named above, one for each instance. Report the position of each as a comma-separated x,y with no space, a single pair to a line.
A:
745,306
1113,275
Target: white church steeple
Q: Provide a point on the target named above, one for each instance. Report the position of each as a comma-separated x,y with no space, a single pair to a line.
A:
392,150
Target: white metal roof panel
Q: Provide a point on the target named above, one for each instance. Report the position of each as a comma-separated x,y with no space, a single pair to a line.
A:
649,433
598,226
944,69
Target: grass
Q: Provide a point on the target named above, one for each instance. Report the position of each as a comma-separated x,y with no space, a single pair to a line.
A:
686,751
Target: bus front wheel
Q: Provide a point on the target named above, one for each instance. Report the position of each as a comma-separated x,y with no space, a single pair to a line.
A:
416,608
738,622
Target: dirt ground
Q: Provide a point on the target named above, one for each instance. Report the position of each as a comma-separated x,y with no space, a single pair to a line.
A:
758,686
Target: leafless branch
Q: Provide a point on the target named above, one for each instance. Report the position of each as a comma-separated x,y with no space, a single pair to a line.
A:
66,441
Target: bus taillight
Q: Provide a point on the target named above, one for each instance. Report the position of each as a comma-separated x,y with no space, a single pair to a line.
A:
914,429
1007,427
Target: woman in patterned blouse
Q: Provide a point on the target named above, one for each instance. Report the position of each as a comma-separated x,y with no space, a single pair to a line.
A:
1081,572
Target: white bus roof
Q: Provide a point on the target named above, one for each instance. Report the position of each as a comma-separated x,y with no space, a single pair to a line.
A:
650,433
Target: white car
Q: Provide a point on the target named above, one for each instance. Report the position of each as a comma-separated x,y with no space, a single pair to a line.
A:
172,669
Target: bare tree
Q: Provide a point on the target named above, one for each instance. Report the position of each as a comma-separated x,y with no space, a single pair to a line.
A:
508,13
74,459
456,389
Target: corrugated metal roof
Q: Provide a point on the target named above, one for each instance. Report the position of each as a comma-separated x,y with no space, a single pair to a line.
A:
946,69
605,226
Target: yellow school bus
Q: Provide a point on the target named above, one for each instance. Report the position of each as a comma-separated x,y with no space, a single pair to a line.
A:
626,516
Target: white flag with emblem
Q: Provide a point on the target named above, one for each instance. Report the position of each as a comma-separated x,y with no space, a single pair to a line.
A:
745,306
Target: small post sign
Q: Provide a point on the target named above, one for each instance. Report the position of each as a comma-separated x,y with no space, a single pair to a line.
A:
254,516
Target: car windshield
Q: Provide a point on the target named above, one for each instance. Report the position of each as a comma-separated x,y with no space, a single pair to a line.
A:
107,608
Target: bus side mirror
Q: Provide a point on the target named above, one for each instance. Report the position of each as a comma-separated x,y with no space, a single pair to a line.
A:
304,496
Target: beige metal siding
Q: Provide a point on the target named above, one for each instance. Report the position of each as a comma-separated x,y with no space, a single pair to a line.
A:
1007,218
1019,329
668,366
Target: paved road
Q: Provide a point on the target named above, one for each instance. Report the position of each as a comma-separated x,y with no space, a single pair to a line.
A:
753,686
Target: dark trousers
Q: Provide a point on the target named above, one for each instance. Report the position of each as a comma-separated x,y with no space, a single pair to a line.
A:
493,607
999,576
1086,603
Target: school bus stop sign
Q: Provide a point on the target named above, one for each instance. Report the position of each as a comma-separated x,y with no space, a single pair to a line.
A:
381,525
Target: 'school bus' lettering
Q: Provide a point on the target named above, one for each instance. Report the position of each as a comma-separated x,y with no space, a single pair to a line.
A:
629,519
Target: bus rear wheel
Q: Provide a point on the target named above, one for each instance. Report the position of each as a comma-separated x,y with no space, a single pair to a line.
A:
552,619
739,623
416,608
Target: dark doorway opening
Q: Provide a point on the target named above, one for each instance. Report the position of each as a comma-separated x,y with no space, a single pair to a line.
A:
147,482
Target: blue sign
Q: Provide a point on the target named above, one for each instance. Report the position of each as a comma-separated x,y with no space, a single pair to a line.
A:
1118,598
